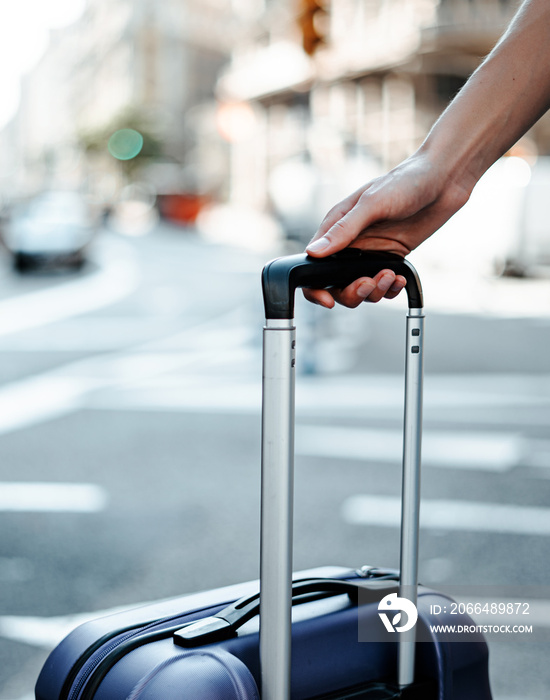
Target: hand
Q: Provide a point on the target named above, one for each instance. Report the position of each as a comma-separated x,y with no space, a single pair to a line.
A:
384,284
393,213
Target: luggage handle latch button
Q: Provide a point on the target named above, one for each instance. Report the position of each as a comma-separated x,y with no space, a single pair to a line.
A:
206,631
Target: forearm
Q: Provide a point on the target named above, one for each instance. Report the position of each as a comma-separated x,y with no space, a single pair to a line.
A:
507,94
398,211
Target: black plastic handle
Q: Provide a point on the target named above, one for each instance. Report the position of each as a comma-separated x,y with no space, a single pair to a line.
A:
225,624
281,277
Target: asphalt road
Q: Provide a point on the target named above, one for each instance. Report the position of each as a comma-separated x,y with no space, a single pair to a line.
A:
132,392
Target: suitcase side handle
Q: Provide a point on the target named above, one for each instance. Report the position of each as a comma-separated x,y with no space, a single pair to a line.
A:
225,624
282,276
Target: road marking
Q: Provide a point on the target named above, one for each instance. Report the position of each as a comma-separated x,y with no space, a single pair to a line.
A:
89,335
455,391
69,388
45,632
472,400
496,452
117,277
37,497
385,511
41,398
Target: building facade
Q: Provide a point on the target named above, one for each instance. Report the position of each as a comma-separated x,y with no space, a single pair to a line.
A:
157,60
343,89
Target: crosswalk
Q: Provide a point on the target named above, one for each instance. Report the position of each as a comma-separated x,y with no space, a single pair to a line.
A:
117,275
44,497
458,449
477,426
474,422
450,515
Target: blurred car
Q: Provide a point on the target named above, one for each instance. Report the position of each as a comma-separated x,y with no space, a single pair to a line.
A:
49,231
528,254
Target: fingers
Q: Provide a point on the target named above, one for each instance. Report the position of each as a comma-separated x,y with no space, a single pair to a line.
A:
396,288
386,284
320,297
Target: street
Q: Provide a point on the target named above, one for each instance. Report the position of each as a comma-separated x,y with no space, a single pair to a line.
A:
130,444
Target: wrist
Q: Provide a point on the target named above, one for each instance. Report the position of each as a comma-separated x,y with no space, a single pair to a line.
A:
455,165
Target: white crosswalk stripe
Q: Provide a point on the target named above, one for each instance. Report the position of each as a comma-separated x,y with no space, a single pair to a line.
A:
117,276
495,452
25,497
446,514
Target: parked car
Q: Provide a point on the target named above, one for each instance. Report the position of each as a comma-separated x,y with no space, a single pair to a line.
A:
52,230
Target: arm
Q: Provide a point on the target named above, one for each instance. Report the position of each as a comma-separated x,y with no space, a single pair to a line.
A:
502,99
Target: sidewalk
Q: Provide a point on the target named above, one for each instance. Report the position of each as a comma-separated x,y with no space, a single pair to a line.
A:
450,291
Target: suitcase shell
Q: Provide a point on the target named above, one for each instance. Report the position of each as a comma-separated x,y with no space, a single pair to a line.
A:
328,660
304,649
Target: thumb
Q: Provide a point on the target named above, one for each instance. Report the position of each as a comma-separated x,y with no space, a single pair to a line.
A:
339,236
343,231
320,247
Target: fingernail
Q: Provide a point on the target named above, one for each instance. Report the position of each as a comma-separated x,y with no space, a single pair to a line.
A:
385,283
319,245
396,287
364,289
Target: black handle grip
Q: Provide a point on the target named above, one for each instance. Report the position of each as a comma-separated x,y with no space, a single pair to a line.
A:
281,277
225,624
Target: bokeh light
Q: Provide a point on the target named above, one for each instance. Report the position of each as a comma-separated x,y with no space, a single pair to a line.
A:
236,121
125,144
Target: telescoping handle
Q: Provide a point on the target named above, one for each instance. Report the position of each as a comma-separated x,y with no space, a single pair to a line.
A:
280,279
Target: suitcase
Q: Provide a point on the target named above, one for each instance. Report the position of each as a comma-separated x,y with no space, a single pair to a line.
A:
331,633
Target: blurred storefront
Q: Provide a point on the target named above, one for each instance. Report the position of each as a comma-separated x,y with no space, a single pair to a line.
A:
275,107
342,89
155,61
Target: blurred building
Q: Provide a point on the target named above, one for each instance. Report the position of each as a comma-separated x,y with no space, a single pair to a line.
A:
341,88
275,105
159,60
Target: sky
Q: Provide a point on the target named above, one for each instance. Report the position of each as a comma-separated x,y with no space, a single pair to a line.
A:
24,27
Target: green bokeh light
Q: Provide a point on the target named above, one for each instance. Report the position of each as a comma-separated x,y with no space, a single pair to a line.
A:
125,144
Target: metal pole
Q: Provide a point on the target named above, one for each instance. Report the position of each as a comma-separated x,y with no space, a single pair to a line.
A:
277,508
410,509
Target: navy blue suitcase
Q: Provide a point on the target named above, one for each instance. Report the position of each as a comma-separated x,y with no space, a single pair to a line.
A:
326,634
133,655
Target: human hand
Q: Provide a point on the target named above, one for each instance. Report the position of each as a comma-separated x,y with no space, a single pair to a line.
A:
393,213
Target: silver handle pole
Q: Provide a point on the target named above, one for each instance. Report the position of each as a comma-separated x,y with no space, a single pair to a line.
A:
410,508
277,509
